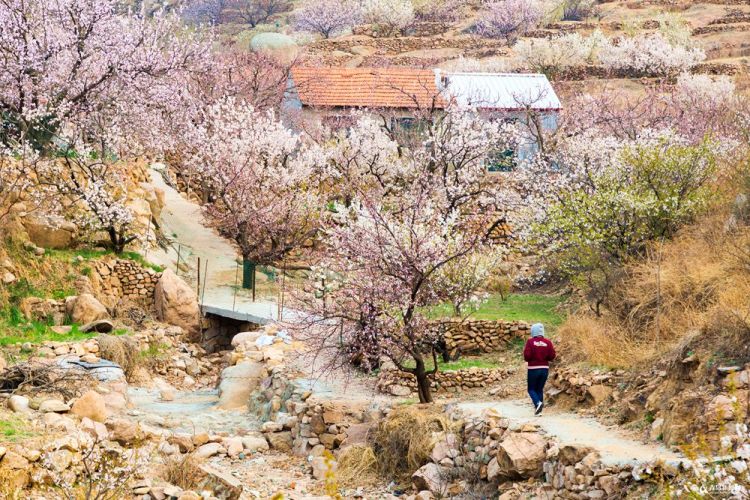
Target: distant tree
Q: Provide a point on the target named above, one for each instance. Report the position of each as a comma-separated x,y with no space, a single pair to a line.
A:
255,12
327,17
205,11
509,19
391,16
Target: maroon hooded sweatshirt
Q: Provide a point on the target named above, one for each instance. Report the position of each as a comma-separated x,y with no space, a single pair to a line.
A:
538,352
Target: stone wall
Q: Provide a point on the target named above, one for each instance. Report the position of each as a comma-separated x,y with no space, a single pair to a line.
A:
307,424
124,279
512,461
400,383
404,44
476,336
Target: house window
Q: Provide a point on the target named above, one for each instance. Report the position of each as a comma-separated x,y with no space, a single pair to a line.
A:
501,161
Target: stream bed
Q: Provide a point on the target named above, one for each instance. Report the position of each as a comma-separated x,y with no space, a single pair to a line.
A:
189,412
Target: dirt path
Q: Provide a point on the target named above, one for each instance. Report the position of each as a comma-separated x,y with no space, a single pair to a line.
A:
183,222
614,446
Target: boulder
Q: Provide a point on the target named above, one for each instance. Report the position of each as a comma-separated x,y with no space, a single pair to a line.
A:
571,454
521,455
430,477
246,337
254,444
85,308
238,382
281,441
599,393
90,405
176,303
53,406
209,449
124,431
48,233
19,404
445,447
234,446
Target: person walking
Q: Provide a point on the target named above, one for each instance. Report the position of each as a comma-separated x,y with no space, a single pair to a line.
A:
538,352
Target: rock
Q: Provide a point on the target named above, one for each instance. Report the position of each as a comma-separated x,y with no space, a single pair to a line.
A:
13,460
189,495
90,405
176,303
521,455
254,444
445,447
19,404
3,451
429,477
85,309
321,466
493,470
238,382
53,406
60,459
183,442
246,338
234,446
399,390
281,441
200,439
98,326
8,278
657,426
598,393
124,431
271,427
97,430
223,484
209,449
571,454
48,232
167,394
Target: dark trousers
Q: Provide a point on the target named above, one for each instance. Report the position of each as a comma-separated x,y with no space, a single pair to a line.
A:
537,379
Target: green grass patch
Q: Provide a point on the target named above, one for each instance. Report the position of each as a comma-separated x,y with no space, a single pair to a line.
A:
155,351
532,308
13,429
37,332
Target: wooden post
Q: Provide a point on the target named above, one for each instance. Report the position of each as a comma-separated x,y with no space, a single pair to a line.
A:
198,292
177,267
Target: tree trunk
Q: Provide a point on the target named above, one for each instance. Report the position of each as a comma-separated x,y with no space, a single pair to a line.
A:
423,383
456,309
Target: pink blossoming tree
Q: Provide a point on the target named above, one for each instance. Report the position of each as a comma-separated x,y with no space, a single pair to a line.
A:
509,19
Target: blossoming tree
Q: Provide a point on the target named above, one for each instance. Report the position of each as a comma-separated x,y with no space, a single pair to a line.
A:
404,239
81,61
509,19
264,194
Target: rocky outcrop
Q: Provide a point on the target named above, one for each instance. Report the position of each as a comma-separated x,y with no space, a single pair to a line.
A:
47,232
176,303
476,336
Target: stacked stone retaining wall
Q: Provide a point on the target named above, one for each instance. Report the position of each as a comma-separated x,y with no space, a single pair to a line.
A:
398,383
477,336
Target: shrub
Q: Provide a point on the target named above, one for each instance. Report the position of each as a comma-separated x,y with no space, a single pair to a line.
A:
578,10
444,11
509,19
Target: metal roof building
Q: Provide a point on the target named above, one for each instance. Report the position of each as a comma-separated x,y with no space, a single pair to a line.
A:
499,91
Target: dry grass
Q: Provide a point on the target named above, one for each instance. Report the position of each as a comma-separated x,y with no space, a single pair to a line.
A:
121,350
402,443
698,282
183,471
357,466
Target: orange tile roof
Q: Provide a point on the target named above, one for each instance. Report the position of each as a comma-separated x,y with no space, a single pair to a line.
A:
367,87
